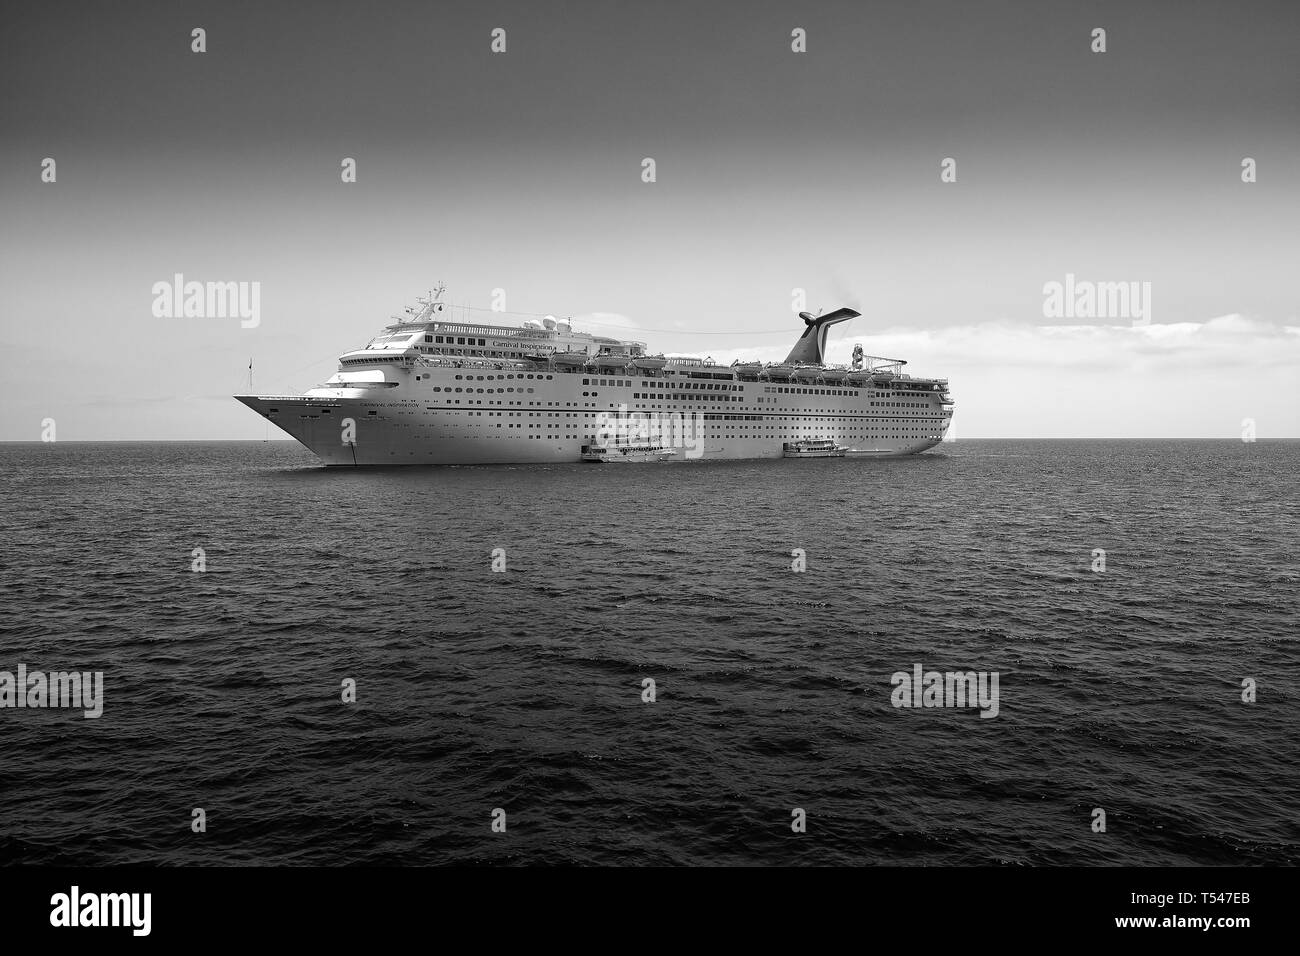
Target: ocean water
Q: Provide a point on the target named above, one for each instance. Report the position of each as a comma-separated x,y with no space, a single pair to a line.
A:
522,690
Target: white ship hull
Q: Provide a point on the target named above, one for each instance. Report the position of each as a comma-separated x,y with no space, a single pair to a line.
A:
407,403
414,430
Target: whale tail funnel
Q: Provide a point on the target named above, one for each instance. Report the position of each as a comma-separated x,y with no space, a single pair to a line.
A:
811,347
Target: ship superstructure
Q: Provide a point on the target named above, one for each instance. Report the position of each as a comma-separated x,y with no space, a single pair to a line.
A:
432,390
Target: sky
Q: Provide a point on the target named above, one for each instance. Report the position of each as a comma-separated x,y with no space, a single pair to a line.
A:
775,171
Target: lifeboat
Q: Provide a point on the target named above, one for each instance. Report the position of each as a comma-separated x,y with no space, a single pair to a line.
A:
781,371
569,358
613,360
650,361
807,373
747,368
834,374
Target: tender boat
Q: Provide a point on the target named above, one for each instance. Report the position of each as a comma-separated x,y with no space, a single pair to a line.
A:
632,451
813,448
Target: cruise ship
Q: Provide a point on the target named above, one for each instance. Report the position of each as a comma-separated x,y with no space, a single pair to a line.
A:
431,390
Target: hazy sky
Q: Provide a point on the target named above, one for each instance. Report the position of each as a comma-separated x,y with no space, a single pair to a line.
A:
775,170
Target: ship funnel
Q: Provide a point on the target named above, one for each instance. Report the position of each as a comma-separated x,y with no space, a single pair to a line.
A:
811,347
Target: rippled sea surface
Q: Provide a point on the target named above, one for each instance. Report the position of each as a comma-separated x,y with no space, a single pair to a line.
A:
522,690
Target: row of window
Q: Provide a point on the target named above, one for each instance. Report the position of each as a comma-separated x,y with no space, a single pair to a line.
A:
700,386
438,340
437,388
791,390
681,397
617,414
481,353
480,378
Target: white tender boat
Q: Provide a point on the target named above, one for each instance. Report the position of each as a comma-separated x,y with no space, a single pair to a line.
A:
812,448
634,451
